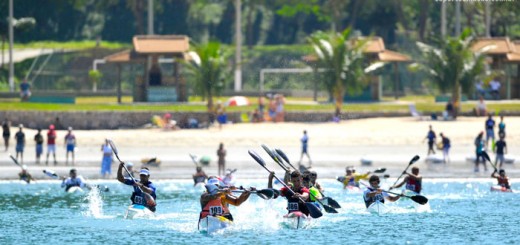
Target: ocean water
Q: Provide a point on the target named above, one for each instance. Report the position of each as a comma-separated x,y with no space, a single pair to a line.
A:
460,211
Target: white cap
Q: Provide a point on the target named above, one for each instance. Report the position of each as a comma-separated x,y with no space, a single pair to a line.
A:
24,167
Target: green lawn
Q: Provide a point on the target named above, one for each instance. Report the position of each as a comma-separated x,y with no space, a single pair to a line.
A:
196,104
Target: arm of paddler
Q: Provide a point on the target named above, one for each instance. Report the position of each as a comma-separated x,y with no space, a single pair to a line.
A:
400,184
236,201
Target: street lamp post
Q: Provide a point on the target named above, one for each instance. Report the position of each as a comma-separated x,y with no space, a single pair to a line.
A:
11,64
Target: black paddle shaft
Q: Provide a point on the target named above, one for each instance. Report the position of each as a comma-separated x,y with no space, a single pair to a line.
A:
414,159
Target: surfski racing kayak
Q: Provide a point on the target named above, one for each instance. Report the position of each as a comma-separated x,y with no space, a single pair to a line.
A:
138,211
378,208
211,224
296,220
498,188
75,190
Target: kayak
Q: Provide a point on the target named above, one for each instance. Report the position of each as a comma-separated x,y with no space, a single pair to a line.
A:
353,189
211,224
296,220
75,190
138,211
378,208
498,188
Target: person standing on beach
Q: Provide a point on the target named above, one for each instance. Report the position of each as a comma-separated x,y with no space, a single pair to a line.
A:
70,144
490,130
446,145
6,132
51,144
20,143
502,127
500,150
38,138
221,153
479,149
106,162
305,146
431,140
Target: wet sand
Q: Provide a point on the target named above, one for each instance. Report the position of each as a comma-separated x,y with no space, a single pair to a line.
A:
387,142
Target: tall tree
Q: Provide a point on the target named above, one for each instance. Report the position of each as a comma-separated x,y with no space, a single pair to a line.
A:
210,67
452,65
343,62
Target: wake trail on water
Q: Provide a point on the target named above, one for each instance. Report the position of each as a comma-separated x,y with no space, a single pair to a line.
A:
94,205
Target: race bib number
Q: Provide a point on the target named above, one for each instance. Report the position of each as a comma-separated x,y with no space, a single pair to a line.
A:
139,200
215,210
292,206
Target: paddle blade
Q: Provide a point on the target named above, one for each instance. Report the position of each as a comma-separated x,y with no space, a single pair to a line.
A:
265,194
486,156
314,211
333,203
380,170
414,159
50,173
276,193
114,148
269,151
14,160
257,158
330,209
419,199
282,154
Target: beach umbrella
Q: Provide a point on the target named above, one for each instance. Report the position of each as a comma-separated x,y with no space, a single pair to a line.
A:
237,101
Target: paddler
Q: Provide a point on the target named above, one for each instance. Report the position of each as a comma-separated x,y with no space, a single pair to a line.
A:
313,175
349,179
413,181
300,191
502,179
375,193
215,201
314,193
73,180
199,176
24,175
143,184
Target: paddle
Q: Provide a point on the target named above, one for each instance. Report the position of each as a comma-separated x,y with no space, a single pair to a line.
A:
193,159
380,170
412,161
265,194
420,199
313,210
333,203
53,175
149,199
486,156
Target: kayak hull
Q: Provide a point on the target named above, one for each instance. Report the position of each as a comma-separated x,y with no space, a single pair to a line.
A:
75,190
212,224
297,220
135,211
497,188
378,208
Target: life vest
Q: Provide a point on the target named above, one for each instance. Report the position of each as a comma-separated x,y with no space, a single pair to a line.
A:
138,197
72,182
413,185
293,204
350,182
502,181
199,179
369,200
214,208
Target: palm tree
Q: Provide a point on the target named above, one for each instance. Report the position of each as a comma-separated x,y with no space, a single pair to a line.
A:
210,68
343,62
453,65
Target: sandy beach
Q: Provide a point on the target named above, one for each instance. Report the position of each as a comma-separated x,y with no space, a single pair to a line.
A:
387,142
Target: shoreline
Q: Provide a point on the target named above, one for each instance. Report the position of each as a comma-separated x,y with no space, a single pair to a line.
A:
387,142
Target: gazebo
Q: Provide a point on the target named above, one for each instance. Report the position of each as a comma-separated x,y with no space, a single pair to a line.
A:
503,55
375,51
155,85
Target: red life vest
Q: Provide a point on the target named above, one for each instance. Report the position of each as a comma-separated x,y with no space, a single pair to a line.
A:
502,181
214,208
413,185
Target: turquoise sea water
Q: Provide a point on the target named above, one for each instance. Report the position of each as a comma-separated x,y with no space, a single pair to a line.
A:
459,211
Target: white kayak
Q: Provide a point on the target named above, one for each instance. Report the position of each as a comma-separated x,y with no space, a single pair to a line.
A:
498,188
138,211
75,190
378,208
211,224
296,220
